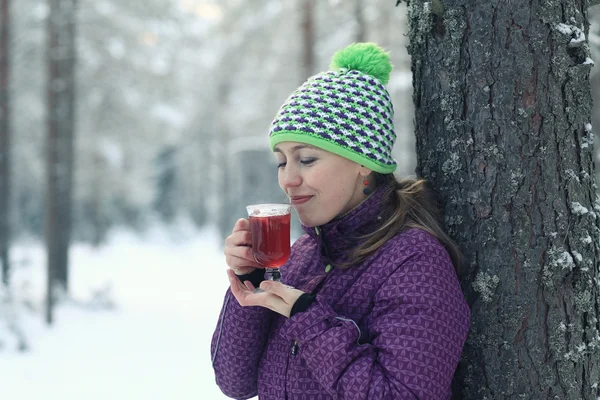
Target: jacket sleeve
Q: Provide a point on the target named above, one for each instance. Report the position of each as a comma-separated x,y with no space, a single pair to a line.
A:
418,326
237,346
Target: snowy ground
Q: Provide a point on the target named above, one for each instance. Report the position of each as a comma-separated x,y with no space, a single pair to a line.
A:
155,342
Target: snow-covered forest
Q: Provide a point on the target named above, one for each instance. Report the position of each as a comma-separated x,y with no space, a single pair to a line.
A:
173,101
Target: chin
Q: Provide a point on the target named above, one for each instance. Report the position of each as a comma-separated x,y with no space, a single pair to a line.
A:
312,221
306,222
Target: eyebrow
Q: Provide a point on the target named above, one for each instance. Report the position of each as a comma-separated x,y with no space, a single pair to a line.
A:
295,148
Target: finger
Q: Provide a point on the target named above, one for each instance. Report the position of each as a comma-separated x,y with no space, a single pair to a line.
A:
274,287
244,293
241,224
235,283
239,262
239,238
284,293
249,285
244,252
237,288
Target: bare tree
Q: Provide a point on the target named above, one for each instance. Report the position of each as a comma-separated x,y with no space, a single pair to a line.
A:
503,105
60,140
5,139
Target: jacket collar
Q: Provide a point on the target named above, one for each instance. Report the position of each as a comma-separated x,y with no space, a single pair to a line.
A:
342,233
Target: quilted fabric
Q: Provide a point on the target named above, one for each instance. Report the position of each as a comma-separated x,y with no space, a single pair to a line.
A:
390,328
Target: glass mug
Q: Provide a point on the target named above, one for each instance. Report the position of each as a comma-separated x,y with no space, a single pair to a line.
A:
270,228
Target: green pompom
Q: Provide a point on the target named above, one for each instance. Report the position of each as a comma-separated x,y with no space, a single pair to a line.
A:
364,57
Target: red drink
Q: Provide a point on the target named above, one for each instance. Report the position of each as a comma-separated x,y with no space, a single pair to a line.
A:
270,239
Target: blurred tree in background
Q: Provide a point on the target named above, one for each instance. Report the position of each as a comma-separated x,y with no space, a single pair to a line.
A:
5,140
60,139
197,78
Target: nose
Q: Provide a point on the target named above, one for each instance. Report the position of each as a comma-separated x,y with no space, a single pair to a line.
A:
289,177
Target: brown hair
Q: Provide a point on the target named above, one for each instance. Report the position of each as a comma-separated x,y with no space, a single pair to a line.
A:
410,204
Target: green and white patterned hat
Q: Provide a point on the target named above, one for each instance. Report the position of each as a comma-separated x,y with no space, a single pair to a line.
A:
346,111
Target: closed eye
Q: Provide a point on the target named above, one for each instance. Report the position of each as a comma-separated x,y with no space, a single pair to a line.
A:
307,161
303,161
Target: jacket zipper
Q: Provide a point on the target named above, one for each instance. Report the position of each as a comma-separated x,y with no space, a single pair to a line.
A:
294,348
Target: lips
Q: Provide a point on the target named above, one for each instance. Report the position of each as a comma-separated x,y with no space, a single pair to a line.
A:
297,200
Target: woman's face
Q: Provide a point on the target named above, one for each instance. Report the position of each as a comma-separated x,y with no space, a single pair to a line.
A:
321,185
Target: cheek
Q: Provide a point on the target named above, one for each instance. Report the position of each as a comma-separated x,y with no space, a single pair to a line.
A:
339,189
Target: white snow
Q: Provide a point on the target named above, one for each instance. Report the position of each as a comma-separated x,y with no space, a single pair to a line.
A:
565,29
588,127
562,327
578,39
155,343
571,174
578,209
564,260
577,35
589,61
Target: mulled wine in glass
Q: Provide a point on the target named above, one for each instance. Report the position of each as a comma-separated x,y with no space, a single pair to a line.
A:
270,228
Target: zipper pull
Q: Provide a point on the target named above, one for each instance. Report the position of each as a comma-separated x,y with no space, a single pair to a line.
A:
295,348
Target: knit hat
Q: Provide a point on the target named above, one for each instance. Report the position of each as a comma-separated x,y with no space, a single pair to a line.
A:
346,111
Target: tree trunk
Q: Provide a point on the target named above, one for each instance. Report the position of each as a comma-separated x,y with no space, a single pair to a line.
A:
308,40
595,83
60,142
361,29
503,107
5,139
220,165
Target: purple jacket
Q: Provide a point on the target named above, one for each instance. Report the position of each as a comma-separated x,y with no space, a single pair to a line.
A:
390,328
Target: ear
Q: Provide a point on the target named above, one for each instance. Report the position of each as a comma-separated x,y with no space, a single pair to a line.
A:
364,171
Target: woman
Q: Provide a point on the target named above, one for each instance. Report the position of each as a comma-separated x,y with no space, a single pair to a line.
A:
369,306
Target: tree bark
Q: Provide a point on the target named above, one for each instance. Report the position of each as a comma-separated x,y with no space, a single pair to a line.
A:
60,143
503,132
5,142
595,83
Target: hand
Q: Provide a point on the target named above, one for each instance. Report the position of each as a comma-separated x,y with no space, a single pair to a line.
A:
276,296
238,250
